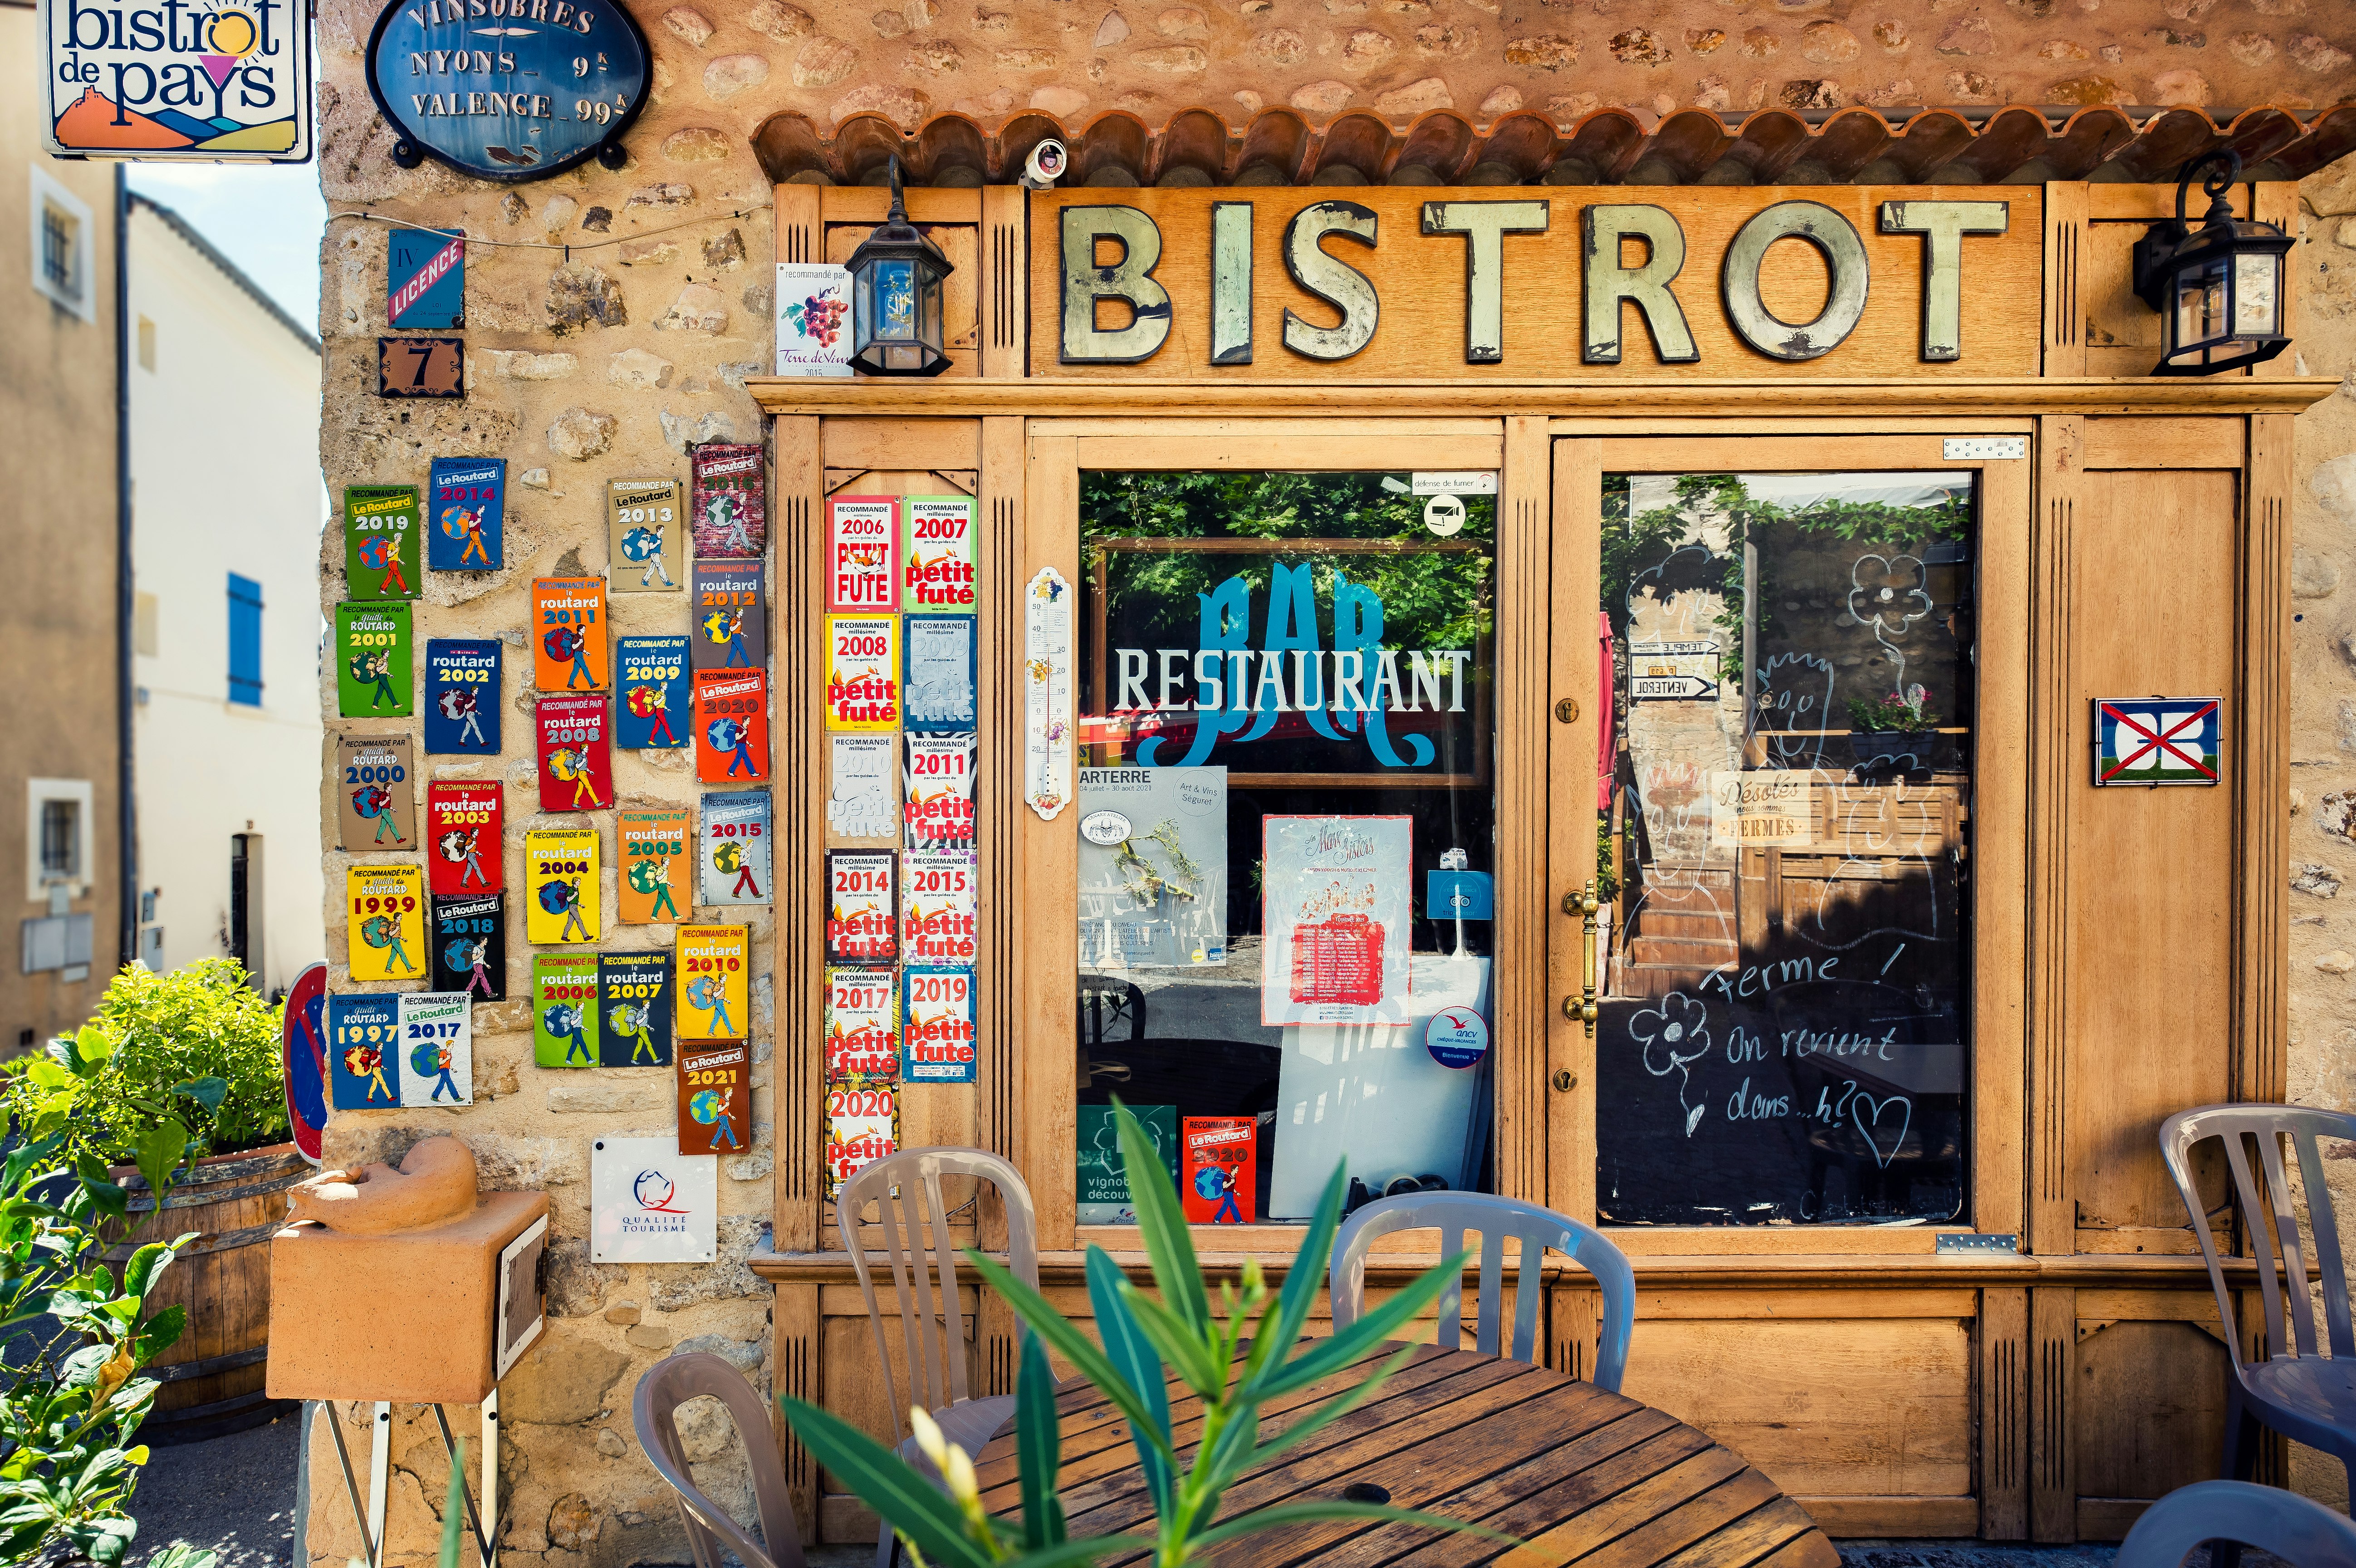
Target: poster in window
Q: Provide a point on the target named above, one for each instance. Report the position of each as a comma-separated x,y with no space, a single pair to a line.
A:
654,889
940,906
863,672
634,1007
731,501
564,1009
1335,907
1219,1173
1153,867
651,709
569,632
864,778
1102,1191
862,1126
376,800
937,552
462,696
938,809
467,514
732,726
862,1025
364,1052
372,662
860,908
577,752
938,1030
380,541
560,877
715,983
715,1105
733,848
470,946
863,553
464,820
643,530
937,683
437,1049
732,629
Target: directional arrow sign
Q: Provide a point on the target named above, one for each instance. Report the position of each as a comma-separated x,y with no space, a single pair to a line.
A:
1642,686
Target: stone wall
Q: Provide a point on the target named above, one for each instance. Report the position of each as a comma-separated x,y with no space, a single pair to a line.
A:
613,317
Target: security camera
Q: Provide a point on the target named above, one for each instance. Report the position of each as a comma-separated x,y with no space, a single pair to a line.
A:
1045,165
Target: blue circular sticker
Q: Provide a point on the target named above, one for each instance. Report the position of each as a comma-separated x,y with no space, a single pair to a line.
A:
1457,1036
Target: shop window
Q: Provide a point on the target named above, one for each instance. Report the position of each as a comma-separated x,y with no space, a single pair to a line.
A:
244,640
1785,1011
60,236
1285,803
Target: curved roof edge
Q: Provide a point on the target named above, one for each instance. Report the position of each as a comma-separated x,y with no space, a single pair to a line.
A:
2021,144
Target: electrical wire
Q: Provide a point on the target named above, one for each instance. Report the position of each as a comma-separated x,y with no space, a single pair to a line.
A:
567,249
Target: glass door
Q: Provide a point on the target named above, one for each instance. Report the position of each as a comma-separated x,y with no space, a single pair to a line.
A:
1785,712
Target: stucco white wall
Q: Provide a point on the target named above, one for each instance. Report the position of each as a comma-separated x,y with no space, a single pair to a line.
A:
225,465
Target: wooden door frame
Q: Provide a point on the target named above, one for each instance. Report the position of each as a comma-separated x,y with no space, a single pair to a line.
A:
1998,1013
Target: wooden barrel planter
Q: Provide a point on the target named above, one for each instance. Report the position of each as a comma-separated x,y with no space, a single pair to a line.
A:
212,1379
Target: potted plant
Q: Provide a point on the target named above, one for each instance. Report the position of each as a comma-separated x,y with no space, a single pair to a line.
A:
179,1073
1140,1335
1895,728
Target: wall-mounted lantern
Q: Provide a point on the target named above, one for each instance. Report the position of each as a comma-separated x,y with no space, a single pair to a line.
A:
2219,288
896,297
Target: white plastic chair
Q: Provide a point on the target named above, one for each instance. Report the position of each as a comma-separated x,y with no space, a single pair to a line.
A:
1492,1220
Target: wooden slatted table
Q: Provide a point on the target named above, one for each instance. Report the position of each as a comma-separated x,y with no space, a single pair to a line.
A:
1581,1475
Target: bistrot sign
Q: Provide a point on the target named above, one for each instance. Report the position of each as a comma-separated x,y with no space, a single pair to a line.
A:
214,82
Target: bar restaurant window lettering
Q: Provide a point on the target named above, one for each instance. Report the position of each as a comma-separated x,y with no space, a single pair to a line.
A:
1285,734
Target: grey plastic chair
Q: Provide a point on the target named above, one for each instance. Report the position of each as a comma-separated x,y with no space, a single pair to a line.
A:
2303,1533
711,1533
2296,1391
1492,1220
925,1288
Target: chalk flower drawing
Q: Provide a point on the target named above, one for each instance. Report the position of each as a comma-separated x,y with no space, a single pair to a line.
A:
1675,1035
1886,593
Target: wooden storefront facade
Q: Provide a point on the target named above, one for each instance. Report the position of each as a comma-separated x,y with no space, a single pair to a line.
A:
2126,953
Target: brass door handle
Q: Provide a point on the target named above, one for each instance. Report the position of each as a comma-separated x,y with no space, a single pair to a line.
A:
1583,1009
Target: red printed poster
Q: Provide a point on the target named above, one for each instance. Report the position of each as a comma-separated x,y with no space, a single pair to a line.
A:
939,807
863,1026
863,553
862,1125
1219,1168
461,837
732,726
940,907
1335,896
861,923
863,672
577,752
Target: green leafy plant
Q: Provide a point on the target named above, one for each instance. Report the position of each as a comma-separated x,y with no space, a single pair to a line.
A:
78,1334
195,1051
1235,1361
1907,713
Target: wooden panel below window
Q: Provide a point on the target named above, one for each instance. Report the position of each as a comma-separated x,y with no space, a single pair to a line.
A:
2148,1415
1867,1415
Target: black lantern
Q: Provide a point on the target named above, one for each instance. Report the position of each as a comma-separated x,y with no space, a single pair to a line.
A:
2218,289
896,297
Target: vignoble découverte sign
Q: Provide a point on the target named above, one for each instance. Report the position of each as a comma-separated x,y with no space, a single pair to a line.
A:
1396,282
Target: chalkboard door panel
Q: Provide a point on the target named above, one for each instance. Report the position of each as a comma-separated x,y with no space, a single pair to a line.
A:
1786,811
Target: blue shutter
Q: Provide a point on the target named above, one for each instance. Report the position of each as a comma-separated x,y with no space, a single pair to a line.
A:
244,640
